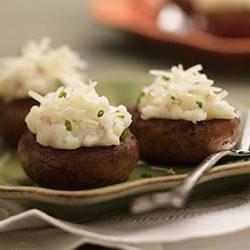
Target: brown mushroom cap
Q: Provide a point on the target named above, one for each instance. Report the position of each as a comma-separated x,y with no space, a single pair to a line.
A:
83,168
183,142
12,124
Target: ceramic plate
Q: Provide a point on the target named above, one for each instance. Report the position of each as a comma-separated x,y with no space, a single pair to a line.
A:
14,184
137,19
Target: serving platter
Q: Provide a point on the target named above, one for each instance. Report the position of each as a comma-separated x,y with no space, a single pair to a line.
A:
139,20
15,185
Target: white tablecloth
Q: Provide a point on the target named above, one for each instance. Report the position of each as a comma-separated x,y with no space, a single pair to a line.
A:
214,222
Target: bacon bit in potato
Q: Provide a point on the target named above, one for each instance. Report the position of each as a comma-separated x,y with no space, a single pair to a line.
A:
210,98
40,70
169,107
176,101
101,126
46,120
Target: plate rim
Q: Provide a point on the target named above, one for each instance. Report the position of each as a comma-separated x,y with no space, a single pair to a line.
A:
115,191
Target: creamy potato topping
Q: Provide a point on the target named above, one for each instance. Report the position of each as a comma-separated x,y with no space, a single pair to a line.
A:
76,116
181,94
39,68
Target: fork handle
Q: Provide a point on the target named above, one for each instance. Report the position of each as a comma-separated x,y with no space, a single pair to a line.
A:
184,189
178,196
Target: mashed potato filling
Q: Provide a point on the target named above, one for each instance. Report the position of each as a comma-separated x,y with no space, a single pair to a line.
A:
222,5
39,68
181,94
76,116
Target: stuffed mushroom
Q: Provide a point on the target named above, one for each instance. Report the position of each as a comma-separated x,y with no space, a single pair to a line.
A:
39,68
77,140
181,118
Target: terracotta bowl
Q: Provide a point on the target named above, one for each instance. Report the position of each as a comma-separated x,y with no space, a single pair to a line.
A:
223,23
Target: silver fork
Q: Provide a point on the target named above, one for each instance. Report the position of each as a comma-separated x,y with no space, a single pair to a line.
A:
177,197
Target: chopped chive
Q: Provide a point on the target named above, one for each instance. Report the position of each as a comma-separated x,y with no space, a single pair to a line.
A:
59,83
173,98
142,94
100,113
125,134
146,175
68,125
62,94
166,78
200,105
121,116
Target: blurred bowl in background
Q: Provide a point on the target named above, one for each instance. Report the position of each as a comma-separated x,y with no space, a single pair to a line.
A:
221,17
167,24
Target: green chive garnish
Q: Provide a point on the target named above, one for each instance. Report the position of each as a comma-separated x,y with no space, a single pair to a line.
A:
166,78
146,175
68,125
142,94
62,94
125,134
59,83
121,116
200,105
100,113
173,98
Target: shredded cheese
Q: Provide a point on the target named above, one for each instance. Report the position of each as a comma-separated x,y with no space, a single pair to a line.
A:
181,94
39,68
76,116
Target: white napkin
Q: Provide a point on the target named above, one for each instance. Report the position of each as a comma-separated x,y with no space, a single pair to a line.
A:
214,221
